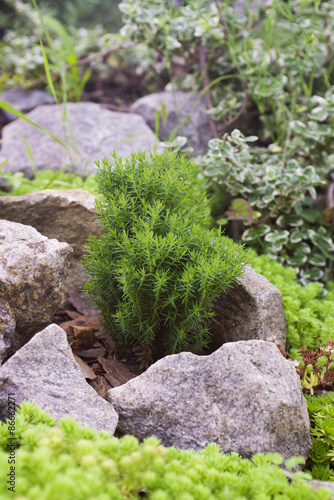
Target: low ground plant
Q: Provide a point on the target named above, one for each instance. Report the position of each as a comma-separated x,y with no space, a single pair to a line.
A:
157,268
321,458
62,461
16,184
309,313
316,368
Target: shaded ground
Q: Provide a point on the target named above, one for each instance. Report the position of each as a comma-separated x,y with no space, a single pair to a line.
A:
95,352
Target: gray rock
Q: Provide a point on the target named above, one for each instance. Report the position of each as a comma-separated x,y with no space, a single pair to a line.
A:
96,132
33,270
8,335
24,100
251,309
44,371
180,105
323,484
246,397
67,215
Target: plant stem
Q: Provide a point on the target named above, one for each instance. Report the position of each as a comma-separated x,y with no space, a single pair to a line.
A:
222,21
202,54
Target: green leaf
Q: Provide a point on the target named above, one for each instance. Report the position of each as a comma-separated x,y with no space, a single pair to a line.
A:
312,274
317,130
289,220
164,114
222,221
310,215
29,153
292,462
298,259
296,236
240,210
156,122
298,127
176,144
46,65
274,247
255,233
236,134
85,79
304,248
317,260
279,237
325,244
61,31
251,138
319,114
268,88
212,170
271,173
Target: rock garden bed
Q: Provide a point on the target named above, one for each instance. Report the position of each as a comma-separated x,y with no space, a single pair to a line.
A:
143,353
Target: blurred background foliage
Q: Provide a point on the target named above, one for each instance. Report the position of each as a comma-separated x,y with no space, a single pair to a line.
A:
79,13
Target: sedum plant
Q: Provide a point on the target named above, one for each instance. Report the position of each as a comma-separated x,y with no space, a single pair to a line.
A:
321,411
316,368
157,268
79,462
309,314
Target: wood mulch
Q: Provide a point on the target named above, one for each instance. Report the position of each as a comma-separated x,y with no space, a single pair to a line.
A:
95,351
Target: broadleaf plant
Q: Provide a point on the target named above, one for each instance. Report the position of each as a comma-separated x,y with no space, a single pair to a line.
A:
277,208
157,268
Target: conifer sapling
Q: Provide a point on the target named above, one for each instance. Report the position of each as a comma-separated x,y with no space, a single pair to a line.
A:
157,268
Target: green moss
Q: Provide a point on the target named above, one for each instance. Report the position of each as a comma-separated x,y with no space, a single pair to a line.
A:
64,461
309,314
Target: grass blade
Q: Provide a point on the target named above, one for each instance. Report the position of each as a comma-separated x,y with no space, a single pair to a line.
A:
7,107
29,153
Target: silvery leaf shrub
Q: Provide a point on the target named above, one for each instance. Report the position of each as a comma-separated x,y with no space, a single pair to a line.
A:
253,52
311,133
273,197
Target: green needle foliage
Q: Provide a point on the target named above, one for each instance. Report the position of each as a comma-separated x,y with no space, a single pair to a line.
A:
157,268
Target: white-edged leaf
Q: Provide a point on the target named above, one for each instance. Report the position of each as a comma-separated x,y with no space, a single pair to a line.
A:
317,260
298,259
319,114
277,237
